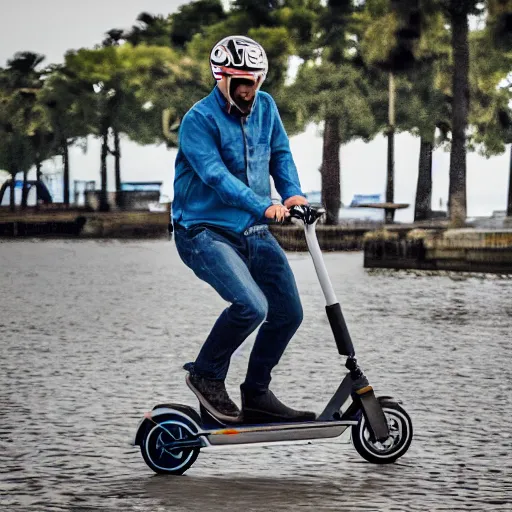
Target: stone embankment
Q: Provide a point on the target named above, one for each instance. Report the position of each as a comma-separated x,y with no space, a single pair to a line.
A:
467,250
398,246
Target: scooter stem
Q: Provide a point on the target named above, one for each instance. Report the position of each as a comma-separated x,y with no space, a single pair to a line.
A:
308,217
318,262
355,381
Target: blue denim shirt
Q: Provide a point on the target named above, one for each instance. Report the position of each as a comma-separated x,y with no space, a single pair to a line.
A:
224,164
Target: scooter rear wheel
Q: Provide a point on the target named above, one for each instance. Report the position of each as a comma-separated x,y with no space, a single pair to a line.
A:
158,446
386,452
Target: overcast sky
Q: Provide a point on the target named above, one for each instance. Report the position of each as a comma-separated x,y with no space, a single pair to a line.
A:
52,27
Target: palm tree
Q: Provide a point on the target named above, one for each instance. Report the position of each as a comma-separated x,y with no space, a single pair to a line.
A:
500,28
69,110
25,128
150,30
334,87
457,204
428,103
390,39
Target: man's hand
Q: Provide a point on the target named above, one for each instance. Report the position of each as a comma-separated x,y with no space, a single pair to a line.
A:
295,201
277,212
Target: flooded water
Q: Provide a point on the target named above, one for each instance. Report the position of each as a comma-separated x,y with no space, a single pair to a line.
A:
94,333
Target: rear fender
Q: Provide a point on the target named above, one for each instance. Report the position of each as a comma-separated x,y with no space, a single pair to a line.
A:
150,418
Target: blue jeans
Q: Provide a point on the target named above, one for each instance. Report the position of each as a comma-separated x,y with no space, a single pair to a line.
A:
251,272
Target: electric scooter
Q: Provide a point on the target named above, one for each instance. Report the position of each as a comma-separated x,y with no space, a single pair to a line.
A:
172,435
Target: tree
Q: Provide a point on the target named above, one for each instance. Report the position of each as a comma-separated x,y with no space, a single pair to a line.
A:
69,111
334,87
427,105
193,18
499,27
27,135
490,114
125,84
151,30
499,24
15,149
178,29
338,97
458,16
389,42
428,111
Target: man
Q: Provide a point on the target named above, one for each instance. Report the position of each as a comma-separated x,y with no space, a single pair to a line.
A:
230,143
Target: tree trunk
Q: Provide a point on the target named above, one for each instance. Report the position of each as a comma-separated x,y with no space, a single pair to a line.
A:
117,156
39,175
390,182
65,160
423,205
104,206
12,196
24,191
330,170
509,203
457,190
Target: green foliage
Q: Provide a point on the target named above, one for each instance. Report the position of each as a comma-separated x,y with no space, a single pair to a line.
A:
192,18
150,30
300,19
26,134
65,102
390,32
339,91
129,87
491,94
499,23
348,47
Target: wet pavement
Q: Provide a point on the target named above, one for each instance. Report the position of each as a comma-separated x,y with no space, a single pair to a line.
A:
94,333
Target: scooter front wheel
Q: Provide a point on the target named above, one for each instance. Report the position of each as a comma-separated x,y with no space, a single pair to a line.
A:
398,442
161,445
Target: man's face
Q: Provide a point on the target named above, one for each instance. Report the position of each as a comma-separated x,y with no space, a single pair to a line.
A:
243,91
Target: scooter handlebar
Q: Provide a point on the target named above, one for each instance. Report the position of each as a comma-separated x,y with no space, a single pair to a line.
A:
305,214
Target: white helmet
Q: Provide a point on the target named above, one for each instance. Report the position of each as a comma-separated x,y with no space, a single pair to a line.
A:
239,57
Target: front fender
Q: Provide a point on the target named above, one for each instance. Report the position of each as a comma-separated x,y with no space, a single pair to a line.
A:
354,410
388,400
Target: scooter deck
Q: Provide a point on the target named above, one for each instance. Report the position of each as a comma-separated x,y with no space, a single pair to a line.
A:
212,433
276,432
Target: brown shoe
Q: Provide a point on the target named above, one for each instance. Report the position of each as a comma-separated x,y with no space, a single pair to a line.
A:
212,395
264,407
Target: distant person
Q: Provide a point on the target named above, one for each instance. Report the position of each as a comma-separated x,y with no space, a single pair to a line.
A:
230,143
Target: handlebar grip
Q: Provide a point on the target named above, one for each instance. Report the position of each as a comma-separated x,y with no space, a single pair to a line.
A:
306,213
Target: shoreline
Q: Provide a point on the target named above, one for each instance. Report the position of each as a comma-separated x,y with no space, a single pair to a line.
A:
420,246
